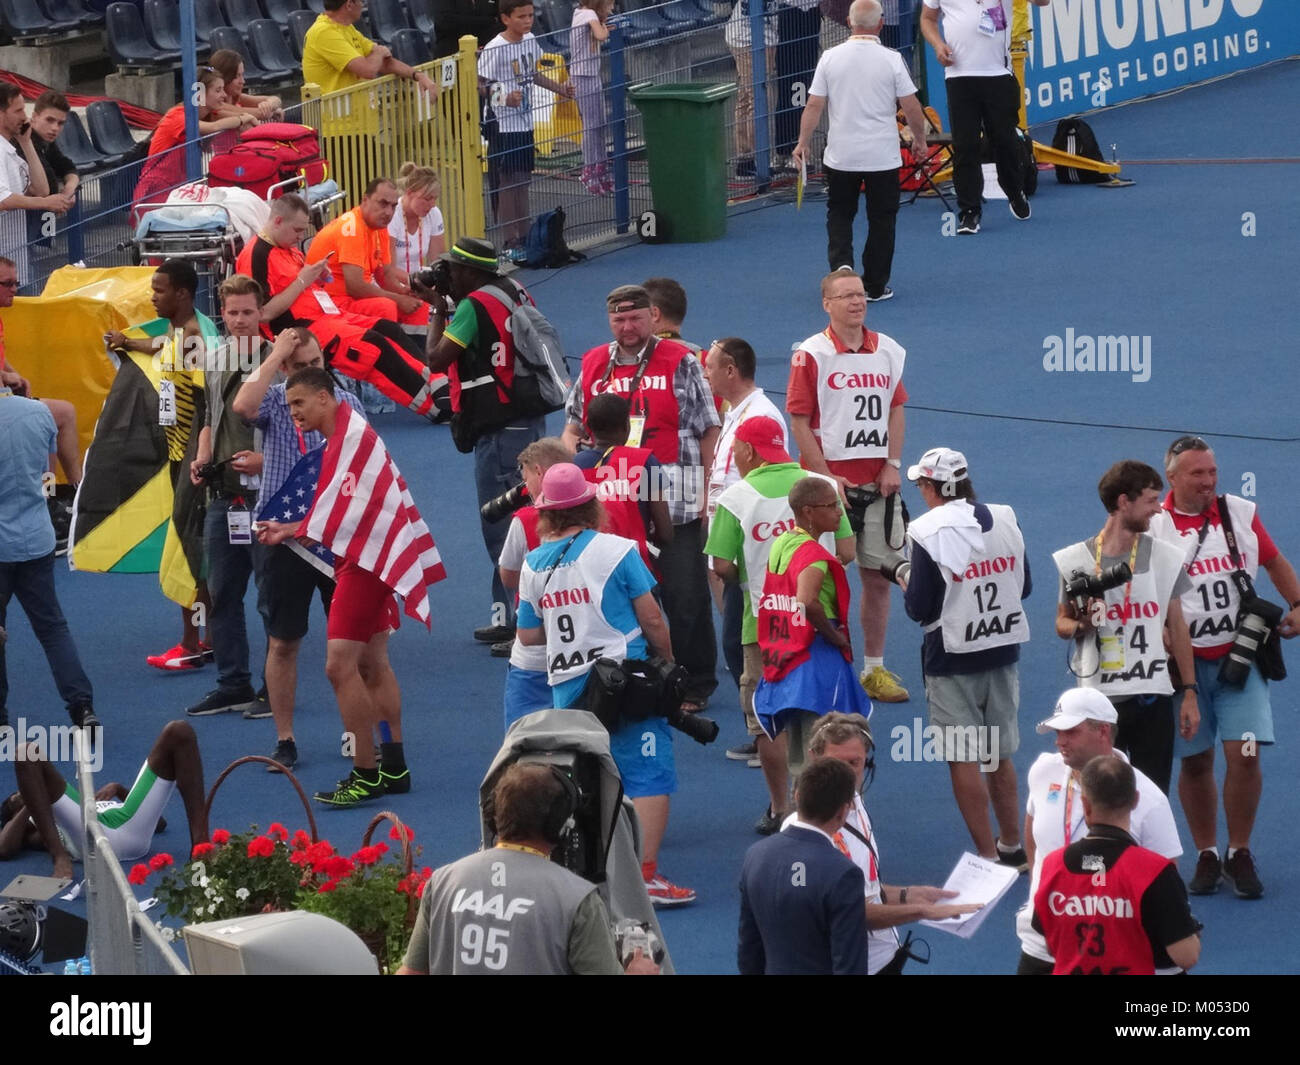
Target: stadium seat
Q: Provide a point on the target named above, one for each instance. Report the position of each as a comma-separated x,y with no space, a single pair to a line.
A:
680,13
553,24
410,47
127,44
318,6
254,72
108,129
74,143
387,17
241,13
270,50
25,19
162,24
363,26
421,15
643,22
73,9
705,11
280,10
207,17
299,23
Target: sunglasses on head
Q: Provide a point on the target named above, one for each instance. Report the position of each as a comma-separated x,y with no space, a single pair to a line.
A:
1188,443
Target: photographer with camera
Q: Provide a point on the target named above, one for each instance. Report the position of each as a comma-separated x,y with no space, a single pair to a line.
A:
845,400
585,596
229,463
968,576
1120,604
477,353
1225,545
538,918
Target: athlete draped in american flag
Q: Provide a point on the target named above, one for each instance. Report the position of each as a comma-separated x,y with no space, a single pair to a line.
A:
363,514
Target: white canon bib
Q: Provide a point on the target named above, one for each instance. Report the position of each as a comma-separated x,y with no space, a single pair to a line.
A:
854,392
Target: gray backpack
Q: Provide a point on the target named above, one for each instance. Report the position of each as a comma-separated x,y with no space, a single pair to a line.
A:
541,382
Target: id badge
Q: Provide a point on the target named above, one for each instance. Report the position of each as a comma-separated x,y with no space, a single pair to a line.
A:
999,16
166,402
1112,651
325,300
239,525
636,427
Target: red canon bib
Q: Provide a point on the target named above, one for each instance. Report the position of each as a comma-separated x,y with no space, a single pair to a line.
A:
621,484
1096,928
488,358
784,634
655,399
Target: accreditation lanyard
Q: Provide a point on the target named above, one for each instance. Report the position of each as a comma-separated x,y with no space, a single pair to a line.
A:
642,364
1069,806
1128,585
519,847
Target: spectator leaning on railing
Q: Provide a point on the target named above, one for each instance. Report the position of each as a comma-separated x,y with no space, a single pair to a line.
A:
23,185
336,55
230,65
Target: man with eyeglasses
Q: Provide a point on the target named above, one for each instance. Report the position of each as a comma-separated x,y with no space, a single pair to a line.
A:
845,400
1224,540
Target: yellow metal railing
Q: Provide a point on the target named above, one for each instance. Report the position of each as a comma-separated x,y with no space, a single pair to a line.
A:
369,130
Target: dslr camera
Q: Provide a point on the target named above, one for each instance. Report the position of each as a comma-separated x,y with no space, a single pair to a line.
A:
500,508
640,688
436,277
1255,625
1083,586
210,471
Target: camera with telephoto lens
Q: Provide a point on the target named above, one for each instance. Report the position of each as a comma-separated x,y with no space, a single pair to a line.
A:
1082,586
436,277
1255,624
640,688
631,935
500,508
898,573
210,471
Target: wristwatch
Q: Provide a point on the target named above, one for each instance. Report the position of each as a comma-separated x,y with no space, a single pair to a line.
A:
1178,689
896,463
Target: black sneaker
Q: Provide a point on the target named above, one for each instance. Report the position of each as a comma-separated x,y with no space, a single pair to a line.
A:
1020,207
286,754
494,633
1208,875
261,708
969,223
83,715
221,702
885,293
353,790
396,783
1239,871
744,752
768,824
1016,859
502,649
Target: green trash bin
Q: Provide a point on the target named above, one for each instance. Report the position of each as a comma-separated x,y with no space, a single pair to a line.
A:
685,140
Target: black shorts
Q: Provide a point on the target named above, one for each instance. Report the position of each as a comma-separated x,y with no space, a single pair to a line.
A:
285,584
509,155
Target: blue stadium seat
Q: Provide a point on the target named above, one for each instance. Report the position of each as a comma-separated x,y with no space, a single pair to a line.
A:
241,13
207,17
410,47
127,44
299,23
387,17
25,19
162,24
254,72
681,14
73,9
280,10
108,129
269,48
74,143
643,22
317,6
552,25
705,12
421,15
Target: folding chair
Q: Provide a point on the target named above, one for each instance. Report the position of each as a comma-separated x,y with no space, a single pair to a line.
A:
921,175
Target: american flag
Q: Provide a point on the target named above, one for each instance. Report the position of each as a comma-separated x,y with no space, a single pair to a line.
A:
364,512
291,503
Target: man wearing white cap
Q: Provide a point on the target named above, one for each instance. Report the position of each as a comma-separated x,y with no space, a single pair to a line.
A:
1084,723
969,574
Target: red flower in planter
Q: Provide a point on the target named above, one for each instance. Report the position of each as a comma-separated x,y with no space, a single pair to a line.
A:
261,847
327,887
160,861
318,852
337,867
301,841
202,850
139,874
399,832
278,831
220,836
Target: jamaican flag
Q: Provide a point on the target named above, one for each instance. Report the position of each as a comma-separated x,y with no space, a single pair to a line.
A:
136,510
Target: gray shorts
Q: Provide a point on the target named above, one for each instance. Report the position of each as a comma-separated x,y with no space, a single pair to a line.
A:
875,549
977,713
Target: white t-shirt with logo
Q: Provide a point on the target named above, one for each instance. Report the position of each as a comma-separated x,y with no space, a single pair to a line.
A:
976,53
409,248
862,81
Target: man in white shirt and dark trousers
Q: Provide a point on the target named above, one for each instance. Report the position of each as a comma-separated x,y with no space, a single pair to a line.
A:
861,84
983,95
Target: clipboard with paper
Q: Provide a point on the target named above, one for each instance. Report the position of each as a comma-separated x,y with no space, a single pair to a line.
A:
975,879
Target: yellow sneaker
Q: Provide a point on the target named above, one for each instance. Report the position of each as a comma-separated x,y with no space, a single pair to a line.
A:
883,686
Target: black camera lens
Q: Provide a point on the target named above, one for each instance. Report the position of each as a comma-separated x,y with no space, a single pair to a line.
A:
500,508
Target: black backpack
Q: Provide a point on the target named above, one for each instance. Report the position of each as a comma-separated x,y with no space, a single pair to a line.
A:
545,247
1075,136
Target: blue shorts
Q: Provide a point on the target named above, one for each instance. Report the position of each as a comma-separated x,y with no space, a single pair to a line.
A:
643,752
526,691
1228,713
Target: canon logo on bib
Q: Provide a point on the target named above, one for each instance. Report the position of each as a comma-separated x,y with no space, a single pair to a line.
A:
1116,612
770,530
986,568
1063,905
840,380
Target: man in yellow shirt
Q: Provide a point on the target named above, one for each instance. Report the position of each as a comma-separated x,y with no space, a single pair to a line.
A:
336,55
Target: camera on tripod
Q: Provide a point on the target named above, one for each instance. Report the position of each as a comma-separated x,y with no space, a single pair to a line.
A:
1082,586
640,688
500,508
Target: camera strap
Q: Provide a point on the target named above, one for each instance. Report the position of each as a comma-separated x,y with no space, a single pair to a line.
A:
550,570
1200,539
1245,586
643,364
1132,566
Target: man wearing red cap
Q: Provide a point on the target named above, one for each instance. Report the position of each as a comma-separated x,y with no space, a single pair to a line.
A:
845,401
750,515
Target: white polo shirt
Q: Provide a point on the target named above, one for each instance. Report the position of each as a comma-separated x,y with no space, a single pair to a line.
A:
1057,809
723,473
862,81
15,177
976,52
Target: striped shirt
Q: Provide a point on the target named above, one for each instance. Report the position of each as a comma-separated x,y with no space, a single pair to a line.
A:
282,444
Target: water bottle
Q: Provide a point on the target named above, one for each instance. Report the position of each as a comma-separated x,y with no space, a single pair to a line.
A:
83,965
71,968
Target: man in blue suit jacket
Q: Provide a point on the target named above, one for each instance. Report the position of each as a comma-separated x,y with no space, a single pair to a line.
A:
801,909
